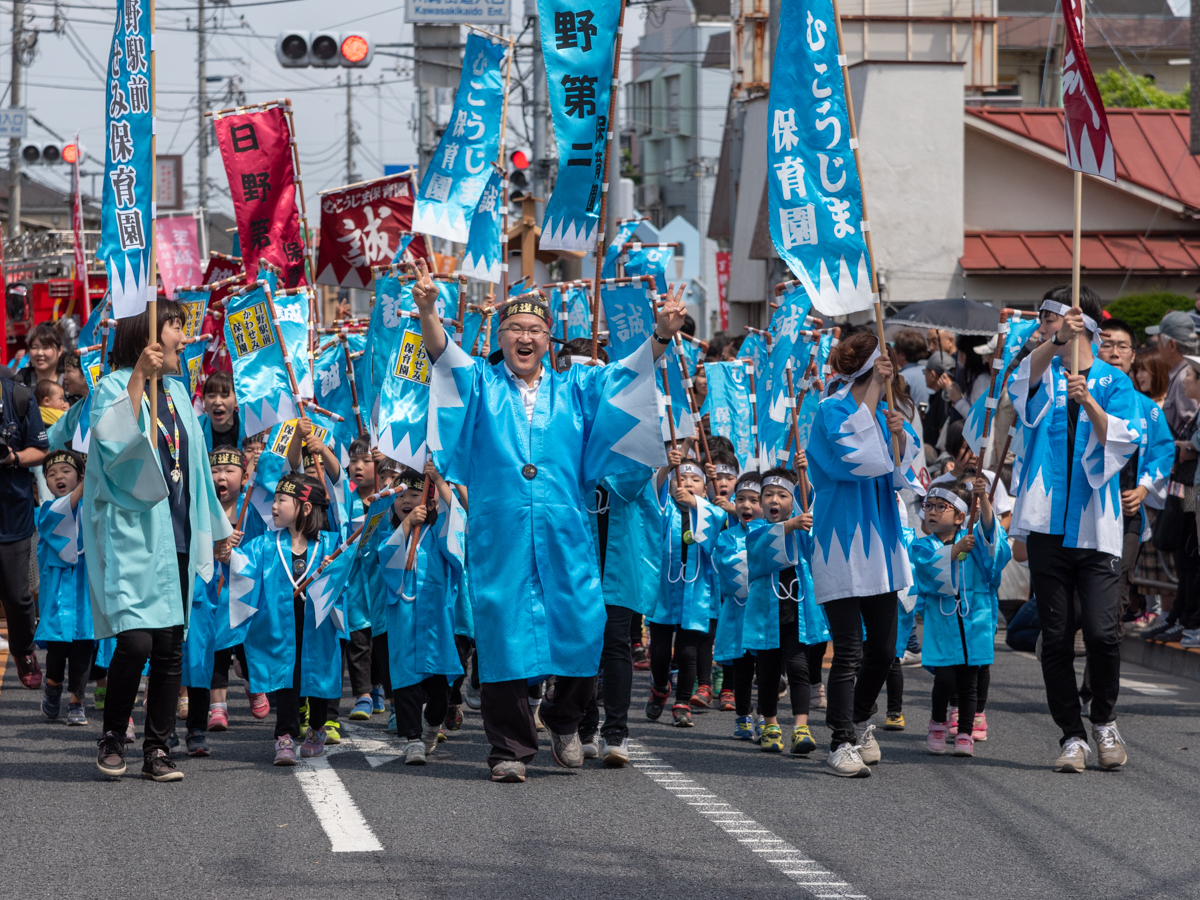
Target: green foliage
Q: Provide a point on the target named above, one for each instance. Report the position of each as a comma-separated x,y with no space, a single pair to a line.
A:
1140,310
1119,88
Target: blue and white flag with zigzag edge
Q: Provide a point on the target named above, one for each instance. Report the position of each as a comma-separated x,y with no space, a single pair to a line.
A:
569,304
404,399
294,309
482,258
647,259
1017,332
462,164
260,378
625,232
812,396
332,387
728,406
127,210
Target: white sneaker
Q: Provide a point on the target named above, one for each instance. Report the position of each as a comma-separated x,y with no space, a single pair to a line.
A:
868,747
471,697
616,755
591,748
414,753
845,762
910,659
429,737
1110,746
1073,757
817,695
1191,638
3,645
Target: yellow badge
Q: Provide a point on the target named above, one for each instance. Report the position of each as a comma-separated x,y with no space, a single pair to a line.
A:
412,363
250,329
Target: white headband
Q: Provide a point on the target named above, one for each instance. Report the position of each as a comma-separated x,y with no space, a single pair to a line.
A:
1062,309
693,469
950,497
748,485
579,360
850,379
778,481
723,469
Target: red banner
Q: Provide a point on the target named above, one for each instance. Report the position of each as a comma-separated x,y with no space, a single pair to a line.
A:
361,227
256,150
724,260
177,249
1085,126
221,267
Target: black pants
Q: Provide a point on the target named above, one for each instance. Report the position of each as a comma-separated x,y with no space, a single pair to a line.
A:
960,680
433,693
982,681
1058,575
792,658
687,645
816,661
19,608
895,688
198,703
508,718
287,700
222,660
464,647
616,662
635,629
859,667
380,673
743,684
70,656
704,657
1186,608
357,654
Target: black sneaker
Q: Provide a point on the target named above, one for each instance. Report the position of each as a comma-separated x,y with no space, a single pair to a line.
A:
658,699
172,742
196,745
1167,635
160,767
51,700
110,758
1149,634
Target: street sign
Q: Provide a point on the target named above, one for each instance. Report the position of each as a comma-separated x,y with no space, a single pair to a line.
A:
170,182
454,12
13,123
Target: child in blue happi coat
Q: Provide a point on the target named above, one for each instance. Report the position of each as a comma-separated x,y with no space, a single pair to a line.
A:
64,610
958,571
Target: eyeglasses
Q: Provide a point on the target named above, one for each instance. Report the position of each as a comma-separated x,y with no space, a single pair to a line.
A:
516,331
935,507
1116,345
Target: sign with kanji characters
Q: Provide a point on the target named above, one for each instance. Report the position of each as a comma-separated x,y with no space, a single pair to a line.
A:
283,438
364,226
462,163
249,330
458,12
629,311
195,308
256,149
127,207
724,262
260,376
411,361
577,44
815,204
168,182
177,250
482,257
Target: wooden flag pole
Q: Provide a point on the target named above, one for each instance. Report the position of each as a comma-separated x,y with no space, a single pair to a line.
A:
608,142
503,170
152,279
358,419
800,471
1078,221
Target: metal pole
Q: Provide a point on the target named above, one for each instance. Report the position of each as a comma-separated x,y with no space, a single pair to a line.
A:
201,107
349,135
541,116
14,144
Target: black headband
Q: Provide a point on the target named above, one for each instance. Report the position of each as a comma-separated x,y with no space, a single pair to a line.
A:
227,457
62,456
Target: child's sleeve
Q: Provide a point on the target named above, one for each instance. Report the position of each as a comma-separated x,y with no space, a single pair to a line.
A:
770,550
246,572
933,566
707,521
58,527
991,554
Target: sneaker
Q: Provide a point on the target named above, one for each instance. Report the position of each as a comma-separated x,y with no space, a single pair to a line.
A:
28,671
314,743
471,698
641,658
910,658
414,753
702,699
510,771
377,699
1169,634
802,741
1073,757
1152,632
75,714
743,728
99,696
196,745
172,742
537,716
756,729
1191,638
454,718
935,740
964,745
260,706
725,701
158,766
952,721
218,718
772,739
430,735
817,697
1110,746
979,727
110,755
614,755
895,722
51,700
591,747
130,732
868,747
658,699
333,732
845,762
362,709
391,725
181,708
285,752
566,749
1145,622
681,714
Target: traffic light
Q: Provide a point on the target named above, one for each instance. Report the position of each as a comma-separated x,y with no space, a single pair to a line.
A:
72,153
48,154
518,181
324,49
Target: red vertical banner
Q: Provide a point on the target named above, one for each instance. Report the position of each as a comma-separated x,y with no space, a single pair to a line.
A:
1085,126
724,260
256,150
362,226
177,250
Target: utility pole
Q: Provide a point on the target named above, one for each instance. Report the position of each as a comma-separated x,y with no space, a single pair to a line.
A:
14,144
541,115
202,104
349,134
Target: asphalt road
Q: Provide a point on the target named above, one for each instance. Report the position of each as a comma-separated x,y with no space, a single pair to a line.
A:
697,816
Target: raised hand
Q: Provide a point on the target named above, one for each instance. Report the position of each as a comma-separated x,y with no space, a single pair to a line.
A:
671,313
425,292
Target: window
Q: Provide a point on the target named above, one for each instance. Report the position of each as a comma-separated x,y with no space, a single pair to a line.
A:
641,107
674,98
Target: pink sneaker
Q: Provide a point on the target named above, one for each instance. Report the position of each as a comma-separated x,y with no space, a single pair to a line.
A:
218,718
964,745
952,722
314,743
935,741
260,706
979,727
285,751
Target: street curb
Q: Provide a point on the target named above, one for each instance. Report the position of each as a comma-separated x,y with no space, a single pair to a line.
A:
1171,659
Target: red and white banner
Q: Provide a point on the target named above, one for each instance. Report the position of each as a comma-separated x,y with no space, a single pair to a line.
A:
221,267
724,260
1085,126
256,149
361,227
177,249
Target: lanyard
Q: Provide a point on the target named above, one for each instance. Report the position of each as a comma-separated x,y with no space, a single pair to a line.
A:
172,440
287,563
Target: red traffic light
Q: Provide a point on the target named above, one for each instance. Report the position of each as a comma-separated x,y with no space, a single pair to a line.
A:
355,48
520,160
70,154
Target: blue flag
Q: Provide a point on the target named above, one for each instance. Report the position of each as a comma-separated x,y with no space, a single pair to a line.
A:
649,259
815,198
195,306
571,311
807,386
629,309
259,376
406,238
754,348
404,399
1019,331
127,208
482,257
474,341
293,309
625,231
385,319
578,37
462,163
728,406
332,387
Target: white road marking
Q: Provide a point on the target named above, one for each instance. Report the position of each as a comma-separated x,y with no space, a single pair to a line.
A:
347,830
786,858
1148,688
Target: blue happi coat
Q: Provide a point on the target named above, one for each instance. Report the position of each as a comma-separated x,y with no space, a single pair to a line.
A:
359,600
1156,455
961,609
689,594
768,552
200,646
631,560
64,611
261,591
858,547
1089,514
421,603
733,572
535,589
206,427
